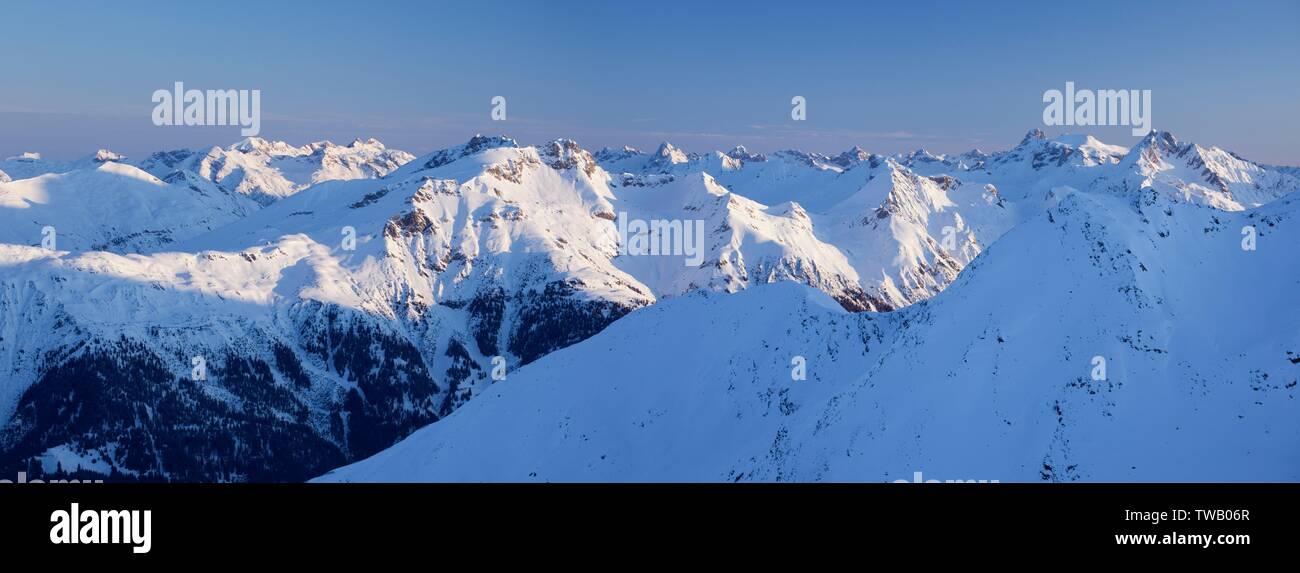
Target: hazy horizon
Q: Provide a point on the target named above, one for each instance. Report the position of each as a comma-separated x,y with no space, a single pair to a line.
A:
419,76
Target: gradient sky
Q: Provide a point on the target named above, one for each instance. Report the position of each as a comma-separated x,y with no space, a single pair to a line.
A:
78,76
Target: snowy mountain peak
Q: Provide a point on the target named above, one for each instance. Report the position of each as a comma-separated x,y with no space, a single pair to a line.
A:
611,155
1157,144
475,145
259,145
973,159
739,153
125,170
1209,175
1038,153
369,142
480,142
922,155
104,155
1034,134
267,171
668,155
851,157
1154,150
248,144
1087,150
807,159
567,154
1080,141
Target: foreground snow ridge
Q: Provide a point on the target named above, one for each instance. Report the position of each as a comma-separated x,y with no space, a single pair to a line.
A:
989,380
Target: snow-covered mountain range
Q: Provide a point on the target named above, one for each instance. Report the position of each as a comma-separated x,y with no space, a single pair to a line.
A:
269,170
106,201
993,379
339,298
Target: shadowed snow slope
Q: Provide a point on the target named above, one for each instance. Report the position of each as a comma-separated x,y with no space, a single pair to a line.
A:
991,379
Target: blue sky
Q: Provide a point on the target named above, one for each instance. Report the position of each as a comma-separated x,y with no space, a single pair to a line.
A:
894,76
